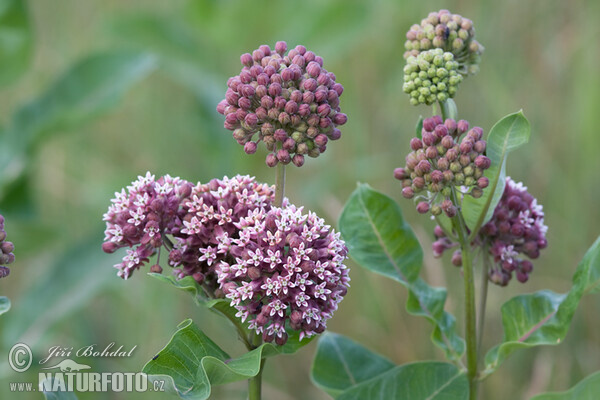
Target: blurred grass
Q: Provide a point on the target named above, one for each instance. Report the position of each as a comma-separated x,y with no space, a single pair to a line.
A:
540,56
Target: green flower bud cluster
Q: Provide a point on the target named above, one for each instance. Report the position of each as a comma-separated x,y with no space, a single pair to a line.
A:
431,76
449,32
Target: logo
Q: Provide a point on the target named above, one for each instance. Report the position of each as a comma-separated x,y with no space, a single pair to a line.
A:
69,366
72,376
20,357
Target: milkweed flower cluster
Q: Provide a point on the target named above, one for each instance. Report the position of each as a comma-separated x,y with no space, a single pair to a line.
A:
440,161
449,32
431,76
275,264
516,230
6,251
286,100
288,268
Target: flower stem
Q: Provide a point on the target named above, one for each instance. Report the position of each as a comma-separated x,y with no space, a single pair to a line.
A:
280,185
255,383
482,299
470,310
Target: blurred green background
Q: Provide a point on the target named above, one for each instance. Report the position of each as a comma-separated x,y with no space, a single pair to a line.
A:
96,92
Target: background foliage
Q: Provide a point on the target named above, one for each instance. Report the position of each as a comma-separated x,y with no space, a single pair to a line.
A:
75,129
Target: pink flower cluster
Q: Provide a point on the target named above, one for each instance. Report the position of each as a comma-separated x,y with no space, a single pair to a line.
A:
6,251
288,267
275,264
516,229
289,100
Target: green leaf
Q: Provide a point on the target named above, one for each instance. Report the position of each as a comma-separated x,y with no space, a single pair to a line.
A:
378,237
187,284
419,127
428,380
55,389
380,240
543,318
191,362
4,304
15,40
341,363
506,135
587,389
91,87
449,109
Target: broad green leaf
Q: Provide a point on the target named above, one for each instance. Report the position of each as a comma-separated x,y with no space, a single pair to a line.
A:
91,87
419,127
341,363
506,135
15,40
4,304
428,380
378,237
191,362
54,389
587,389
380,240
543,318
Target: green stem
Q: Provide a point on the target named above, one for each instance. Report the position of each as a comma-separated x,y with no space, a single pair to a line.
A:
470,310
482,298
255,383
280,185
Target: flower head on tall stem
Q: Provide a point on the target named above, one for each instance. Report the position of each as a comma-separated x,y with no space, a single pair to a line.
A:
285,99
6,251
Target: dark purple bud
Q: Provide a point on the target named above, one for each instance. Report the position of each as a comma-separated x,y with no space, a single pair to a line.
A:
109,247
429,124
274,90
157,269
284,156
504,227
335,134
441,131
479,146
298,160
416,144
483,182
431,152
450,125
429,138
250,148
310,85
438,232
424,166
447,142
457,258
437,176
400,174
422,207
466,147
271,160
288,144
340,118
526,266
462,126
438,248
482,162
323,110
407,192
281,47
246,59
522,276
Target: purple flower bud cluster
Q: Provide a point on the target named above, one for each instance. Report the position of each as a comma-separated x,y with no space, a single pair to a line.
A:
516,229
449,32
6,251
441,160
283,265
285,98
288,269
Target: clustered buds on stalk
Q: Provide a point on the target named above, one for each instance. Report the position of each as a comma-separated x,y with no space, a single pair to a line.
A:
431,76
229,237
441,161
287,99
6,251
288,267
449,32
516,229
